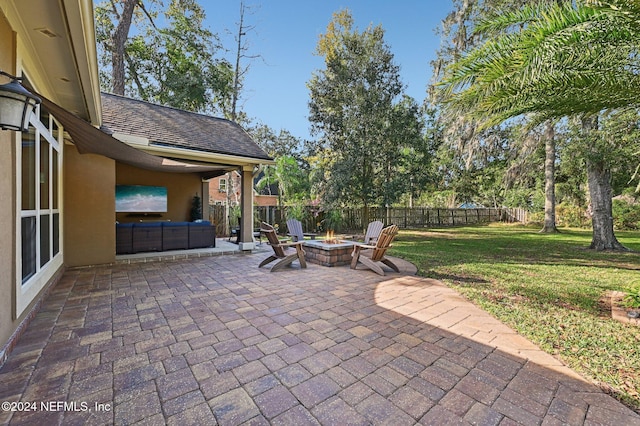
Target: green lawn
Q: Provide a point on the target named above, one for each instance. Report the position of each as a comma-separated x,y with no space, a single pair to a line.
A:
547,287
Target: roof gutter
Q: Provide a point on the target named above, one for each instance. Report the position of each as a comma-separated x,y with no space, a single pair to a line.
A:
81,24
144,144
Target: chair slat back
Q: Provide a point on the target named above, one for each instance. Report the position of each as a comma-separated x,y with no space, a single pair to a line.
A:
272,238
384,242
295,229
373,231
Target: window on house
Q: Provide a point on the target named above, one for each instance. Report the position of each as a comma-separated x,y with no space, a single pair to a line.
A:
39,190
222,185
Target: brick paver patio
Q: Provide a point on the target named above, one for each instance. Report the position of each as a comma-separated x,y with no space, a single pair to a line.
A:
218,341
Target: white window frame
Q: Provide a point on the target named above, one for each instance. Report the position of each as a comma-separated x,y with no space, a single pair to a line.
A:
28,290
222,184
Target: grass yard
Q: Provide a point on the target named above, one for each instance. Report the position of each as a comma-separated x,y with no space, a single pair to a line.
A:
547,287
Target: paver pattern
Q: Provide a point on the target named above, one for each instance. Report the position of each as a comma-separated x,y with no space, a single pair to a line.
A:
218,341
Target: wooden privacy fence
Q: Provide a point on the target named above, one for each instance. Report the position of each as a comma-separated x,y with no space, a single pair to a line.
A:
218,217
353,220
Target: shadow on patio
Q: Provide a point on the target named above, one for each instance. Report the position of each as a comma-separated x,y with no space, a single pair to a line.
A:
216,339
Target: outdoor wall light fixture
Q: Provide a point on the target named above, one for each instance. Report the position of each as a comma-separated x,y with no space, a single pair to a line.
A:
16,104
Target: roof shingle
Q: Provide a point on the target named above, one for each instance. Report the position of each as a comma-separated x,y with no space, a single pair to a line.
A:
173,127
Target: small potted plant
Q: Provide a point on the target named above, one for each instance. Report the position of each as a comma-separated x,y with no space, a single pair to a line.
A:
196,208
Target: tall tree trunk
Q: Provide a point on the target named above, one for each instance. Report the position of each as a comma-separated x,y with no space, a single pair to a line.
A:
549,179
599,180
118,40
365,198
236,74
600,192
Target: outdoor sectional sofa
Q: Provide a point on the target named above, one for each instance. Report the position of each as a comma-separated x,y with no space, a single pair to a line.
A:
163,236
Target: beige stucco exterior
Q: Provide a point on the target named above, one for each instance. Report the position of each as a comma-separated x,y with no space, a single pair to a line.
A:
181,188
89,204
63,68
89,201
7,200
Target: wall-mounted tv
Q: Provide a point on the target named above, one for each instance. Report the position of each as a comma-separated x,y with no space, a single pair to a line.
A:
141,199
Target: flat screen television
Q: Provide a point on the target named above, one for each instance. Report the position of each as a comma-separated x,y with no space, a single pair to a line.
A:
141,199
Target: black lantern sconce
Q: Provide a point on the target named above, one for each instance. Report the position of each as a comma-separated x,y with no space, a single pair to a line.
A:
16,104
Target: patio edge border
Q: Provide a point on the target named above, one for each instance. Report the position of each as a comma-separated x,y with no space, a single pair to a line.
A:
8,347
158,257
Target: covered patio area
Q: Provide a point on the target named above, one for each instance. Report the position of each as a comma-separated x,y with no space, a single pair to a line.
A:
215,340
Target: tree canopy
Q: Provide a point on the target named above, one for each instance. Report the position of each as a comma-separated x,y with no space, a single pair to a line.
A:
173,64
355,110
555,60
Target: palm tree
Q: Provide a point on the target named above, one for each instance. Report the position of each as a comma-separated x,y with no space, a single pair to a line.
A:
551,61
460,26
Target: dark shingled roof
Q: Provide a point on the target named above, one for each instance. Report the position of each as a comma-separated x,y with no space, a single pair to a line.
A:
172,127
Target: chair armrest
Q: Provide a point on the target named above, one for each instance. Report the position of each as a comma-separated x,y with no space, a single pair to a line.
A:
365,246
290,244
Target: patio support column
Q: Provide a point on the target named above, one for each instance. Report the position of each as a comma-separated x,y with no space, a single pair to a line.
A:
246,209
205,200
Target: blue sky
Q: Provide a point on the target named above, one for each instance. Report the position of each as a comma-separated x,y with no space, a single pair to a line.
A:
286,33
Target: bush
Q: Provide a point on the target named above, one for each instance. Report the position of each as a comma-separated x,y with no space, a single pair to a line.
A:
536,218
632,299
518,197
573,216
626,215
333,220
196,208
296,211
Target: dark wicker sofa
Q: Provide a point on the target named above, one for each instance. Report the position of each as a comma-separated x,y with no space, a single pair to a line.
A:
163,236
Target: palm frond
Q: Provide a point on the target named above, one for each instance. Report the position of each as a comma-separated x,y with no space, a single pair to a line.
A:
551,60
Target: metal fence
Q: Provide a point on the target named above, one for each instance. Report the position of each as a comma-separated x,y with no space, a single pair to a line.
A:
353,219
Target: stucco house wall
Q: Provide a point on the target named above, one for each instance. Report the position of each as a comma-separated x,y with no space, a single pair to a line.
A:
7,200
79,188
181,188
89,204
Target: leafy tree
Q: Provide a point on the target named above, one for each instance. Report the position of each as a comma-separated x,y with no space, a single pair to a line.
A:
356,111
460,33
292,180
113,22
174,65
284,143
112,31
556,60
291,171
420,158
406,152
189,77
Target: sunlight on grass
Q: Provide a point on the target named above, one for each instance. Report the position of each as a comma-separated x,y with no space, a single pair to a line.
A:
548,287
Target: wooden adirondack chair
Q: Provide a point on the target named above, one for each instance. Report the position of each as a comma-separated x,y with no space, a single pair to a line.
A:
280,249
295,230
373,232
375,254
